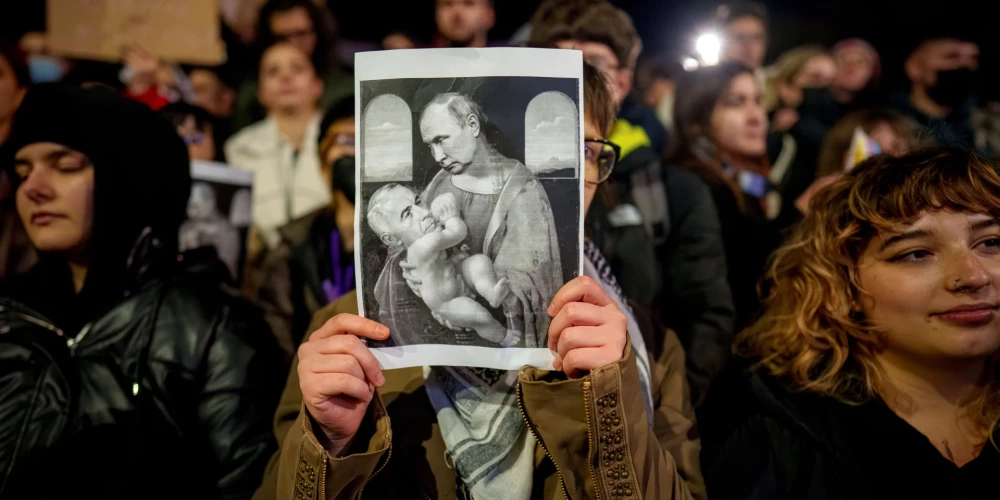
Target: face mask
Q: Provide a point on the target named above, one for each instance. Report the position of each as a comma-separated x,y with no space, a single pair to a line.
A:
343,177
953,87
45,69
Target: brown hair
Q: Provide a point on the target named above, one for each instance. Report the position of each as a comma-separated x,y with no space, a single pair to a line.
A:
589,21
813,334
838,139
597,102
697,94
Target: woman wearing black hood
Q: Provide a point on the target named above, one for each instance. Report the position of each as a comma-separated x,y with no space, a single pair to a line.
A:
126,370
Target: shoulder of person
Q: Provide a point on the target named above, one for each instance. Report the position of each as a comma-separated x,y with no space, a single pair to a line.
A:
251,140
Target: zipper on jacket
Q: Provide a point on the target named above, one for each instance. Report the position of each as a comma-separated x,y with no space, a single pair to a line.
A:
388,455
36,321
592,436
531,428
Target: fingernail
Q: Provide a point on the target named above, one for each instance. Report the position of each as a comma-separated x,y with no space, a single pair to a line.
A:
378,331
380,380
550,310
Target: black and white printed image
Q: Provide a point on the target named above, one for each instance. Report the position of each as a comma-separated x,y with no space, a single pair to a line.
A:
219,211
469,209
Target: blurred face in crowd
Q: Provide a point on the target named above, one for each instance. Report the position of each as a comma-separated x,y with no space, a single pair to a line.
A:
200,143
746,42
739,122
211,94
909,276
11,93
604,59
288,82
56,197
294,27
855,68
944,70
343,143
343,146
452,143
818,72
465,22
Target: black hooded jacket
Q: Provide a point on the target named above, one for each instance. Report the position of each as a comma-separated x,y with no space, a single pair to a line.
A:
761,441
154,381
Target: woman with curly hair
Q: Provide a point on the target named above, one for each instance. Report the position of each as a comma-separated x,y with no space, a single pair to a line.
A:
873,369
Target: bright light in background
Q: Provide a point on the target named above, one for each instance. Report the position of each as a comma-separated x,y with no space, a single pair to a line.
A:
689,64
709,48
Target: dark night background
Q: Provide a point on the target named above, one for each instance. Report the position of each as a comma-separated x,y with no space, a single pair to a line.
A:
669,26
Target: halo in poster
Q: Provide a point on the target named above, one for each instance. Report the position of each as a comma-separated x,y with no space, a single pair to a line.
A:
468,216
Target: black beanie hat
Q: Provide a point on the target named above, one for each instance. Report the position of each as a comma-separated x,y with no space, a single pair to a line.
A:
141,168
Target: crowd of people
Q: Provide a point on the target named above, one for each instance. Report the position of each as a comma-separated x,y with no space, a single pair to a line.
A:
791,278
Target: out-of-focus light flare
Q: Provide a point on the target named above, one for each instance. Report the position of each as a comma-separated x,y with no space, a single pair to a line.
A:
690,64
709,48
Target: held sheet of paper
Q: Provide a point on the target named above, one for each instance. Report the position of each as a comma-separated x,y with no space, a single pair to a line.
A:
469,201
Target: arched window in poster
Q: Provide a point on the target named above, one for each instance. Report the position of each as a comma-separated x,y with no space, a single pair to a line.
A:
552,135
387,146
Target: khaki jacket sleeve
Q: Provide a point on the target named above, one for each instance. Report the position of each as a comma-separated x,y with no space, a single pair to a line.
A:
596,431
302,469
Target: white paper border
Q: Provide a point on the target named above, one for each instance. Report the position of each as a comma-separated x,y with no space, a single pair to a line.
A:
500,358
212,171
464,63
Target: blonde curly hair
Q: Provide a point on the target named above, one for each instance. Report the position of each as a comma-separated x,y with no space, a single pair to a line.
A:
813,334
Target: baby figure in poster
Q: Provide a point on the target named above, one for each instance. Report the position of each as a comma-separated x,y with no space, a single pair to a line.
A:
432,239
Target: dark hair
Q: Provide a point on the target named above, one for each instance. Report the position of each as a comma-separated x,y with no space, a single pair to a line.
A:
178,112
594,21
838,138
491,3
695,99
733,11
226,75
18,61
597,102
656,68
340,110
324,26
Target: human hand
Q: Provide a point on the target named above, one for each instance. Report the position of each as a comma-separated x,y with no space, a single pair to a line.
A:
143,63
411,281
337,376
785,119
587,330
444,207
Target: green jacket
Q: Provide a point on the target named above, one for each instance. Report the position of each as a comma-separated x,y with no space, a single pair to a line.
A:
406,456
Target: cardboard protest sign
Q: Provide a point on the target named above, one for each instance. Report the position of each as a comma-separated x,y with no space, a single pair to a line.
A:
184,31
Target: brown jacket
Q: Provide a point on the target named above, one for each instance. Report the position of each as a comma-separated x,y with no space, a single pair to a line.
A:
404,456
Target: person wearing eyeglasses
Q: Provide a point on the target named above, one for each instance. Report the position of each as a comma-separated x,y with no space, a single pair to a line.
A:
309,26
656,224
194,125
314,263
371,434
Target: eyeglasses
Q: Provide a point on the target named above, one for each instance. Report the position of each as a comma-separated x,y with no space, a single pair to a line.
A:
293,35
604,153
